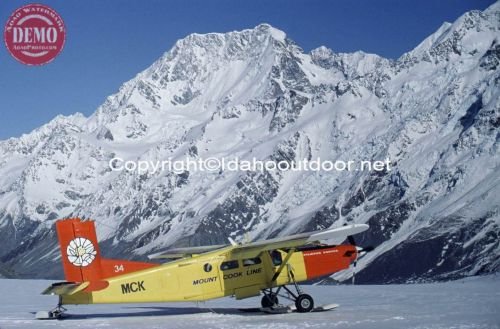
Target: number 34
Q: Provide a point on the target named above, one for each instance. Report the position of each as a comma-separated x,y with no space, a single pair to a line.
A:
119,268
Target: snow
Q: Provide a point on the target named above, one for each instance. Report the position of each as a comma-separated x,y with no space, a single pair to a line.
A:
470,303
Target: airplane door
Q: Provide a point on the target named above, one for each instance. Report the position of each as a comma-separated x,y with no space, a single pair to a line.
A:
211,284
199,279
189,285
242,277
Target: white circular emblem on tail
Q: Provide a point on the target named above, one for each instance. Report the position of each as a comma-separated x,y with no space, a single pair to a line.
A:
81,252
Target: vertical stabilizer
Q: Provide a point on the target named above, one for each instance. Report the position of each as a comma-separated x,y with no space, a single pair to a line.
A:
80,252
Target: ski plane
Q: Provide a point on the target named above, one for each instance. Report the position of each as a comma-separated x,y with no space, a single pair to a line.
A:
199,273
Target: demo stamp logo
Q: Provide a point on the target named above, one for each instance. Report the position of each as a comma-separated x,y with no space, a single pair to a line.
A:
34,34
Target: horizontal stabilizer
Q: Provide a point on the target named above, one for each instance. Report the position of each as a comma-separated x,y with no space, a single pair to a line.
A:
65,288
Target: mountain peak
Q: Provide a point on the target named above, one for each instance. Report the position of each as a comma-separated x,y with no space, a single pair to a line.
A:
277,34
321,52
495,7
472,33
259,34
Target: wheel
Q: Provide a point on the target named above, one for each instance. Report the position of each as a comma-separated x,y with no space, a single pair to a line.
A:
304,303
269,300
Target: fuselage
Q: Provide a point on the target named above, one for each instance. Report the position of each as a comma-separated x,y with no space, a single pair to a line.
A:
217,274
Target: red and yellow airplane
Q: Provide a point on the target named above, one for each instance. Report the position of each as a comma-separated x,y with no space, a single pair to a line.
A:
198,273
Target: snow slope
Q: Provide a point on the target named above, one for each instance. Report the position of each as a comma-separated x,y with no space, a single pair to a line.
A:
434,112
470,303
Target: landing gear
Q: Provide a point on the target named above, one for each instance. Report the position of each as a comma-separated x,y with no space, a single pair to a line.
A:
269,300
304,303
55,313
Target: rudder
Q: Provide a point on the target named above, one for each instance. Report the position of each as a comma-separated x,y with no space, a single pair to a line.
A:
80,252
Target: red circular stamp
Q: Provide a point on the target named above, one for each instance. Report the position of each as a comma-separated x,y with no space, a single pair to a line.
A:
34,34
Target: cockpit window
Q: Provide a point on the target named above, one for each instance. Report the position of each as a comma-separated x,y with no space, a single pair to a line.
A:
276,257
229,265
251,261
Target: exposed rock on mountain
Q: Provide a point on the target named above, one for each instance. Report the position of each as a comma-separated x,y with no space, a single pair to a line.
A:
434,112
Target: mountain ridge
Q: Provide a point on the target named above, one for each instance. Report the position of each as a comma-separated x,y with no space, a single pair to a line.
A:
433,111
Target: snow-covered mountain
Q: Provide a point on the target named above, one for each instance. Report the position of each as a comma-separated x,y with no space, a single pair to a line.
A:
434,112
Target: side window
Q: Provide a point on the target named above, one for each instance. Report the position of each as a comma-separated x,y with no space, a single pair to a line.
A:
229,265
276,257
251,261
207,267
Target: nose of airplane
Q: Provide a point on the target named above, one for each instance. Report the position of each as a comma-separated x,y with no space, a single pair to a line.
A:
325,261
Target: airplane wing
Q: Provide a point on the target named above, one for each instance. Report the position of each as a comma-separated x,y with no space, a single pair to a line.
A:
311,237
254,248
299,240
184,252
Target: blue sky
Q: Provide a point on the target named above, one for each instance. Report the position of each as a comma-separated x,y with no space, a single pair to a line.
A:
108,42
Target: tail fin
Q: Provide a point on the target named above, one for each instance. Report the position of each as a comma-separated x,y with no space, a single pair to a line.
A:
81,256
80,252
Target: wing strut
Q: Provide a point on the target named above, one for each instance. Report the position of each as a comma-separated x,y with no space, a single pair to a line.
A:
283,264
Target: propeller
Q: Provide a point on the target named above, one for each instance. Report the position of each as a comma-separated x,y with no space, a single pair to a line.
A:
363,250
351,240
354,272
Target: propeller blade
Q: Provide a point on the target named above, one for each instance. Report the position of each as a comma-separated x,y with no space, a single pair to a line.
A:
365,249
351,240
354,273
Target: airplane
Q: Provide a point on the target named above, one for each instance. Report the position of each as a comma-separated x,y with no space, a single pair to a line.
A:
198,273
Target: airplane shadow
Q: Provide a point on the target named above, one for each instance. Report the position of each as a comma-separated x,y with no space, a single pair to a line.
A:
163,311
